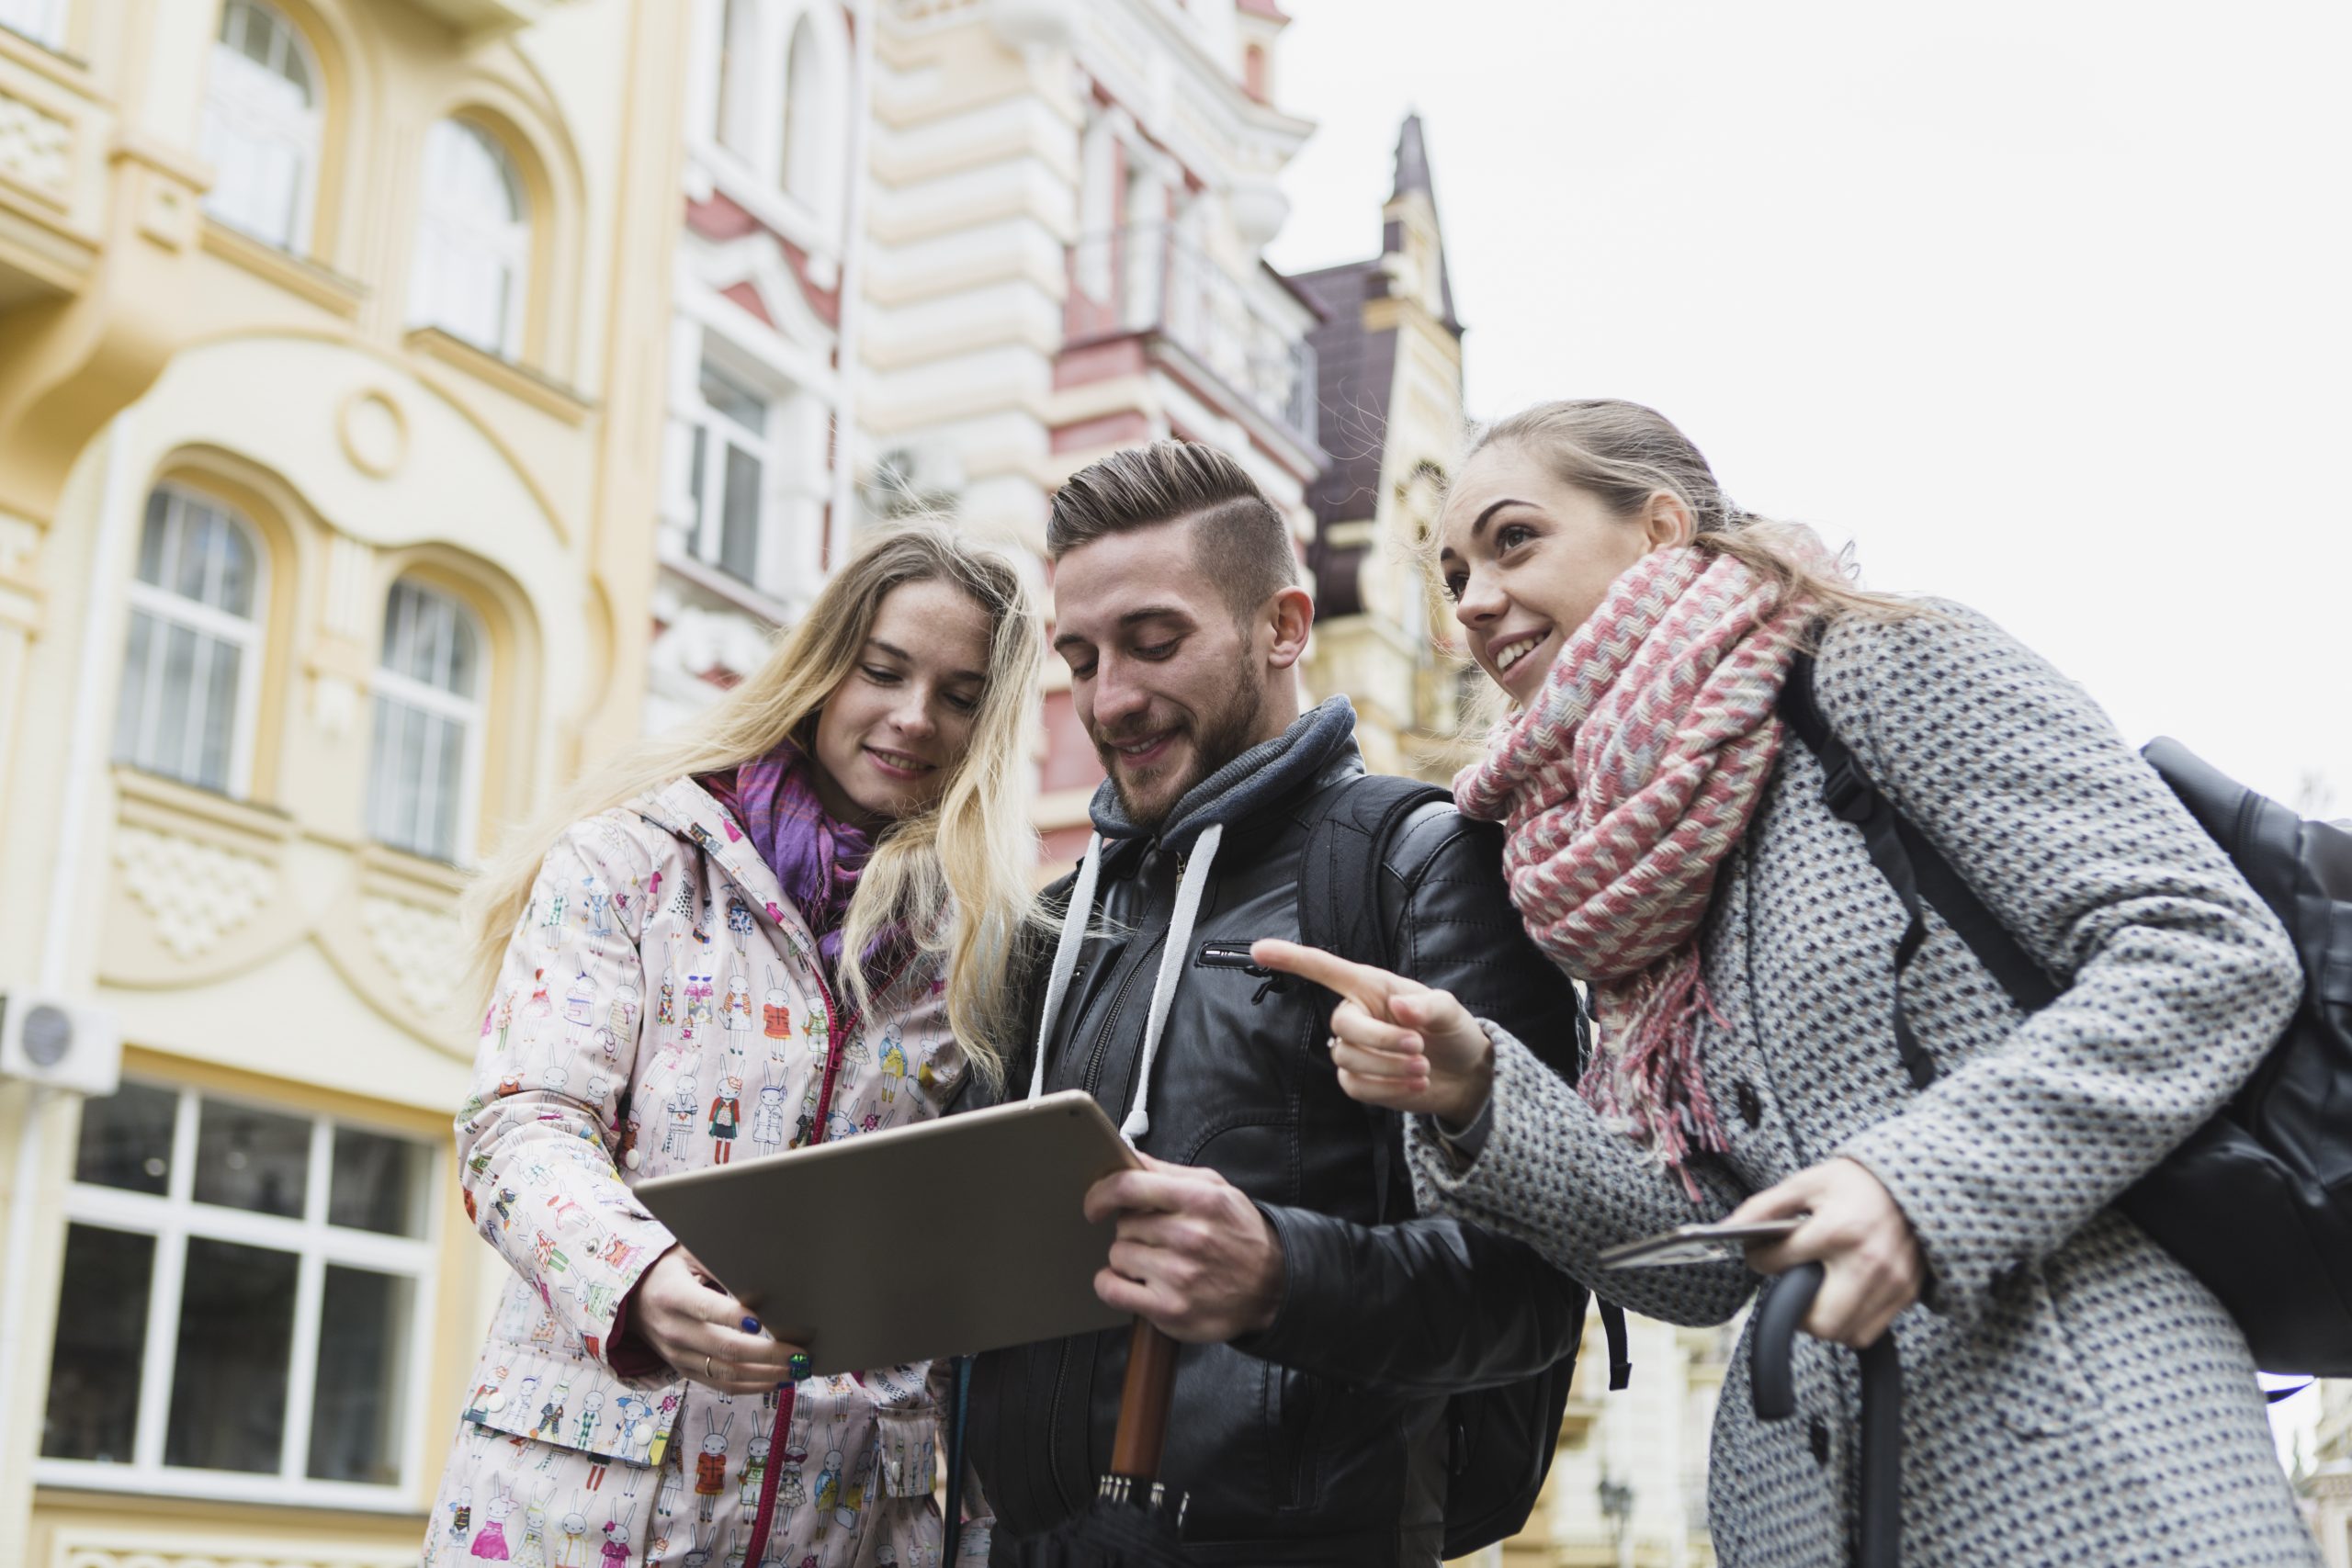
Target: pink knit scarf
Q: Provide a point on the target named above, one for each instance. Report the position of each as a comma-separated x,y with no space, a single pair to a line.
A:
1622,787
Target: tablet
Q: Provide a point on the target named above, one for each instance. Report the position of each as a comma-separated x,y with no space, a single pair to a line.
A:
945,1237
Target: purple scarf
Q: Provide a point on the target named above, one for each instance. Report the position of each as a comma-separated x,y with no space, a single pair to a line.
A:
816,856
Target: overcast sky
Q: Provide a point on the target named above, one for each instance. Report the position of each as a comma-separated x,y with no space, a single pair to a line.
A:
2044,306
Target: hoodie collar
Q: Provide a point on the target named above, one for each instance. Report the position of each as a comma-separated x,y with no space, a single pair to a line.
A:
1264,776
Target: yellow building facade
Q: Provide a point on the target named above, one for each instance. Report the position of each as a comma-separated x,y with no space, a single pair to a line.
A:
331,346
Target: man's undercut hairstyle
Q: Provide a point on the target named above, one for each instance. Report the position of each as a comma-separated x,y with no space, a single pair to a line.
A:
1240,541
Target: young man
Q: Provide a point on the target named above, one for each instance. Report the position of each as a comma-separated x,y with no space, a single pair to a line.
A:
1309,1421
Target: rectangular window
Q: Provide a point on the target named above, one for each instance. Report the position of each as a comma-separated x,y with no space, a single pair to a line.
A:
43,21
244,1304
730,475
428,712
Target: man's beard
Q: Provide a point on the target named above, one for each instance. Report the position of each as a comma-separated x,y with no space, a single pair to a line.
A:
1217,739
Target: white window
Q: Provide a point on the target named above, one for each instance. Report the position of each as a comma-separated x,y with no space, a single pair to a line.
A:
428,724
738,126
43,21
729,476
474,246
261,126
246,1305
811,141
192,664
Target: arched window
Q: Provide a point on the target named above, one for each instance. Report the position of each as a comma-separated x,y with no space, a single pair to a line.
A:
261,126
738,70
428,724
810,143
473,248
193,663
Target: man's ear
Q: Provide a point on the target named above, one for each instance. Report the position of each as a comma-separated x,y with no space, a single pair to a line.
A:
1290,614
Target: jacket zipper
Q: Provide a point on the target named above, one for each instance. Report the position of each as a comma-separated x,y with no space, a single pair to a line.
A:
836,1043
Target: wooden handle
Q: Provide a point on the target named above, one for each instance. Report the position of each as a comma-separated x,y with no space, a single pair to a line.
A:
1144,1404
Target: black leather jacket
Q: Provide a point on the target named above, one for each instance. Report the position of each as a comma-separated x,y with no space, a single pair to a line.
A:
1323,1439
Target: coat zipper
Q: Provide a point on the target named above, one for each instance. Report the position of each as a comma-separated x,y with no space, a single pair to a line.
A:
836,1043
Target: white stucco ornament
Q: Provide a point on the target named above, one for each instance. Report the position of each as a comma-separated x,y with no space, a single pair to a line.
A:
374,433
419,945
1034,24
198,893
1259,209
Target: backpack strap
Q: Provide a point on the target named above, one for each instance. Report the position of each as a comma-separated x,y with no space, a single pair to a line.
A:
1348,846
1913,867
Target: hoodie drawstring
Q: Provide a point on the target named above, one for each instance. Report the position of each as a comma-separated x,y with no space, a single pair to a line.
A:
1190,890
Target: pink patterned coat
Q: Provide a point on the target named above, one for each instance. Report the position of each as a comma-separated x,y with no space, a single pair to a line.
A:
619,1022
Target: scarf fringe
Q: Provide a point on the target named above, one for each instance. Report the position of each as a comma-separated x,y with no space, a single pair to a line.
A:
1647,1077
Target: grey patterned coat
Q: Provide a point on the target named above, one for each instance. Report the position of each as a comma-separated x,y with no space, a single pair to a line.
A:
2072,1395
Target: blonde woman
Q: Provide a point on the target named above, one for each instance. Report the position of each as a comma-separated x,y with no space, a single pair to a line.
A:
2071,1393
787,923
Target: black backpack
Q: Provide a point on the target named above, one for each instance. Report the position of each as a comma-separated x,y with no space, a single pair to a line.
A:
1501,1439
2257,1202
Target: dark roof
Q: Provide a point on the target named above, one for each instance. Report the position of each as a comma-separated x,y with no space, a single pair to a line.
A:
1354,373
1413,174
1412,161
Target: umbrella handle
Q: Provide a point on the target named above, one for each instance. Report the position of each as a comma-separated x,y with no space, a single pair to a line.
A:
1144,1404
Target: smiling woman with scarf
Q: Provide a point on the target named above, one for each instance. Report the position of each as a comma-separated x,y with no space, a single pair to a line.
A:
787,923
2071,1393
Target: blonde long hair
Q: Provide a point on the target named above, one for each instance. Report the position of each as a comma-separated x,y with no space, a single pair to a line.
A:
1626,453
956,873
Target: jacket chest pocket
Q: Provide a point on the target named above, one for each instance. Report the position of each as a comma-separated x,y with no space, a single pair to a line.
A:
1232,956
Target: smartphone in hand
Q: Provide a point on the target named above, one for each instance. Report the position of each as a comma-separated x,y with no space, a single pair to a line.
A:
1695,1244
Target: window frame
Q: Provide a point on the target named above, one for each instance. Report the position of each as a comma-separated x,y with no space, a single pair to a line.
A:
173,608
173,1219
474,713
43,22
513,242
311,130
714,431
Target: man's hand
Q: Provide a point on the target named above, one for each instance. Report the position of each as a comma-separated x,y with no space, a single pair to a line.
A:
1871,1263
1396,1042
1192,1254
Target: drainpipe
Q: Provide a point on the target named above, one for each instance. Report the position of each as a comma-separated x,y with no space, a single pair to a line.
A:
864,18
84,757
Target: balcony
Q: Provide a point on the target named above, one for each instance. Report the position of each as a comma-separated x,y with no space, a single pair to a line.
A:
1243,336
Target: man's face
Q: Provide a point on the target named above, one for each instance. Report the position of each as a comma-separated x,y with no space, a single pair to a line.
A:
1169,687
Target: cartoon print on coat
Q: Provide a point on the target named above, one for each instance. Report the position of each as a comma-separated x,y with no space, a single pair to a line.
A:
579,1001
710,1465
776,1010
726,1115
574,1551
767,1122
894,1063
531,1551
738,925
586,1470
489,1544
682,1106
614,1553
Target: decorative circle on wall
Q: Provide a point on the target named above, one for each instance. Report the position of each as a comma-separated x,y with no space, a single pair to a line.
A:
374,433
